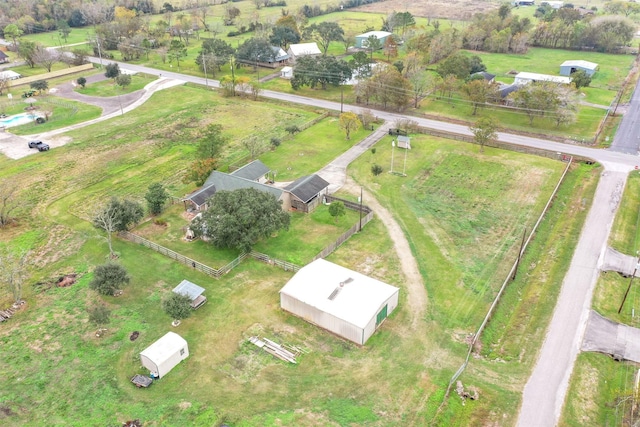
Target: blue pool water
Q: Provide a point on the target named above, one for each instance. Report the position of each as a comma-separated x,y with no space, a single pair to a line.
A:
17,120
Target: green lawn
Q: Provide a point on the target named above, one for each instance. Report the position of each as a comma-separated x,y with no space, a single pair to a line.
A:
310,150
53,38
109,88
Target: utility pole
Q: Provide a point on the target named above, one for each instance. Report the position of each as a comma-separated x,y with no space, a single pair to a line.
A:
204,64
360,226
99,51
233,79
404,167
524,235
341,98
629,287
393,146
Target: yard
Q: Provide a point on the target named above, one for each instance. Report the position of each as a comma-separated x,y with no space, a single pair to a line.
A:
54,359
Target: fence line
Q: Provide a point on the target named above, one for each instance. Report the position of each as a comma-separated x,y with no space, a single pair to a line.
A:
217,273
53,74
504,284
285,265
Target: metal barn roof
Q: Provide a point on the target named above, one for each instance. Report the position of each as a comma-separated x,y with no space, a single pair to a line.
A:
580,63
307,187
189,289
357,301
378,34
252,171
542,78
302,49
164,348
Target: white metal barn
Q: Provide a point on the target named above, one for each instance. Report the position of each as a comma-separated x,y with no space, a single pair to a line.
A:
343,301
163,355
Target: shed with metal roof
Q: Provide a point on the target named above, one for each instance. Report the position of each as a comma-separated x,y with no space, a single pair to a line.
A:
306,192
342,301
569,67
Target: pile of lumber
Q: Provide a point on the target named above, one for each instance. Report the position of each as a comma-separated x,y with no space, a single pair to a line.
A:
6,314
284,352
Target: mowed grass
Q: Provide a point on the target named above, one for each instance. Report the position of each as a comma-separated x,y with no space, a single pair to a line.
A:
310,150
109,88
64,113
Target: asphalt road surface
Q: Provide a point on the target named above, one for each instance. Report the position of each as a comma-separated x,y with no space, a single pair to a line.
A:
545,392
627,138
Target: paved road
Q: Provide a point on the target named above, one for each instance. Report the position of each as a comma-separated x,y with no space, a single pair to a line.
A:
627,138
545,392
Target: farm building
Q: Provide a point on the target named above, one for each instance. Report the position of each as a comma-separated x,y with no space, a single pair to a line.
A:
553,4
193,291
486,76
303,49
254,171
163,355
569,67
305,193
4,58
280,55
342,301
524,78
9,75
361,40
404,142
286,72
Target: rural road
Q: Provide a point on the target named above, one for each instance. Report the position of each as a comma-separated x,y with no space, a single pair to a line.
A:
627,139
545,392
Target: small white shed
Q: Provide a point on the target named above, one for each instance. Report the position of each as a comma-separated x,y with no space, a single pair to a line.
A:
342,301
286,72
163,355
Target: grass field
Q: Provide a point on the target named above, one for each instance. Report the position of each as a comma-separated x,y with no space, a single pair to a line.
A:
109,88
54,360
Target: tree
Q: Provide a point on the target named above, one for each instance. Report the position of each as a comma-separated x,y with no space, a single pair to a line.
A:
99,314
112,71
390,48
349,122
156,198
484,130
200,170
580,79
123,80
64,30
45,57
39,85
372,43
5,83
238,219
211,142
178,306
479,92
313,71
109,278
117,216
12,32
177,51
214,54
81,81
376,169
337,209
255,50
8,201
254,145
14,270
26,51
458,65
283,36
324,33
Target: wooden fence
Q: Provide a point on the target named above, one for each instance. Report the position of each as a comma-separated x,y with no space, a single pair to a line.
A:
363,209
53,74
285,265
217,273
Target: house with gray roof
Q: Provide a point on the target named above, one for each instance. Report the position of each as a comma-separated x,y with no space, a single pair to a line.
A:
254,171
306,192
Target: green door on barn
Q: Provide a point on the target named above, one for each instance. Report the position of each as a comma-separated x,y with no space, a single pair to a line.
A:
381,315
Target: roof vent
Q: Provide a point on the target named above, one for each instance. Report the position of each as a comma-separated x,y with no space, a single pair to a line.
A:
336,291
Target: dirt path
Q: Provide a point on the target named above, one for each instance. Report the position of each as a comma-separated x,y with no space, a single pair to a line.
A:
416,292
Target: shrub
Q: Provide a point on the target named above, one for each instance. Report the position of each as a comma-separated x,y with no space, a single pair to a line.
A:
108,278
275,142
376,169
292,129
178,306
99,314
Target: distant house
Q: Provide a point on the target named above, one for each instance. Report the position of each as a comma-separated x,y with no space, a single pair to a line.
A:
280,55
296,51
306,192
163,355
199,198
342,301
4,58
569,67
524,78
554,4
9,75
286,72
506,89
361,40
254,171
487,76
193,291
524,3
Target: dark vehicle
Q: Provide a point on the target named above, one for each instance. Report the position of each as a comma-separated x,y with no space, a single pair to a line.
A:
41,146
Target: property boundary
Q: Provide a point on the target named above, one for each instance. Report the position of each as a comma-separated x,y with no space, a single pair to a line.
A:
53,74
506,281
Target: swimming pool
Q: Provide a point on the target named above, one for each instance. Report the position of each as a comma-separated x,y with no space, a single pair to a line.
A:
17,120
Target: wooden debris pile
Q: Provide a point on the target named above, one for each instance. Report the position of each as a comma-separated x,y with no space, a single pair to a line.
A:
288,353
6,314
471,393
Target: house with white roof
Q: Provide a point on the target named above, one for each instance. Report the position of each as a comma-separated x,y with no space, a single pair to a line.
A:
361,40
303,49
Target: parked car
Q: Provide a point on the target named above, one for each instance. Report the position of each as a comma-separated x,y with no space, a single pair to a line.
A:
41,146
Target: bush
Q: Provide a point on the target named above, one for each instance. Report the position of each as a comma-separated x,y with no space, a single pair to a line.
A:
108,278
178,306
81,81
292,129
161,222
275,142
376,169
99,314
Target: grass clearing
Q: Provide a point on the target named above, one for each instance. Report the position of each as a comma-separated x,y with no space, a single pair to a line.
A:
109,88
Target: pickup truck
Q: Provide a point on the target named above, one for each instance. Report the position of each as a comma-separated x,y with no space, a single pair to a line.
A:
41,146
